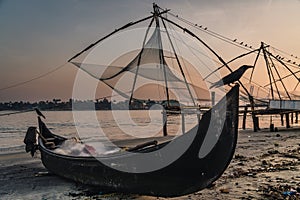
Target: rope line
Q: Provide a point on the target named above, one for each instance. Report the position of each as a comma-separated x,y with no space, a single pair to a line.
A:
33,79
212,33
234,42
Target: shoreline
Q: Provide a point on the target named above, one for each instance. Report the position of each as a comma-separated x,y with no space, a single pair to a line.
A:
265,166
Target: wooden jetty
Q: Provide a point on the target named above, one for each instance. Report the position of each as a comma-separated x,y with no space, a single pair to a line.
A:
286,108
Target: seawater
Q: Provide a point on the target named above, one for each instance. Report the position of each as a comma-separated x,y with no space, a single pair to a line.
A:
114,126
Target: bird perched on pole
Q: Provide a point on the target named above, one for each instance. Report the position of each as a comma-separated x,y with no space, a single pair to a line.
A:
39,113
232,77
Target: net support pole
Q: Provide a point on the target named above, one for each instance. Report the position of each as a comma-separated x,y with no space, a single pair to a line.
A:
179,64
255,61
271,72
292,73
161,52
268,70
139,62
280,79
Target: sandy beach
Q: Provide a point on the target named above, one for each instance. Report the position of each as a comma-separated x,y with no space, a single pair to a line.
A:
266,165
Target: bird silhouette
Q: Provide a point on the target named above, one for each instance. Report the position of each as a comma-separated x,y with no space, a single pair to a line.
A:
232,77
39,113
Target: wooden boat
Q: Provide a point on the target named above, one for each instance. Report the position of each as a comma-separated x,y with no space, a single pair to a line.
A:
188,174
187,164
171,105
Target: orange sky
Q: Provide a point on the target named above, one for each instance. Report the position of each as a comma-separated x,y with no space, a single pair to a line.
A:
36,37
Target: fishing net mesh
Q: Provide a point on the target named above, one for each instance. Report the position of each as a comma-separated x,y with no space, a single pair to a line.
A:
151,73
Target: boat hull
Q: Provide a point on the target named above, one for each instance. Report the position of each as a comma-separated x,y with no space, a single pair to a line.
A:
189,173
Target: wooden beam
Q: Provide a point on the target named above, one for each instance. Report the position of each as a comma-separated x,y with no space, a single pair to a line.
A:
245,118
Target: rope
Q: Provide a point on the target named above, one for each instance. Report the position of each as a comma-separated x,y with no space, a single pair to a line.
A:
286,53
191,50
33,79
212,33
232,41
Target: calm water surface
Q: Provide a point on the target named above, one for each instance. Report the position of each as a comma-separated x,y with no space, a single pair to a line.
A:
117,125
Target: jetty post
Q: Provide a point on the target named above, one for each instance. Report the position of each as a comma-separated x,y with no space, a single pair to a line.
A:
182,122
287,119
255,123
165,121
245,118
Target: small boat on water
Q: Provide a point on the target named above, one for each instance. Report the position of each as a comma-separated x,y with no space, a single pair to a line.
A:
171,105
186,164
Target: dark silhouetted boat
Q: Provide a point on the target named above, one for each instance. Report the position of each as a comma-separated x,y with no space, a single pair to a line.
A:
206,149
188,174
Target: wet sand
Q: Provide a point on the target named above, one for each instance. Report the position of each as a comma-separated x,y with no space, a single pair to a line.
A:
265,166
